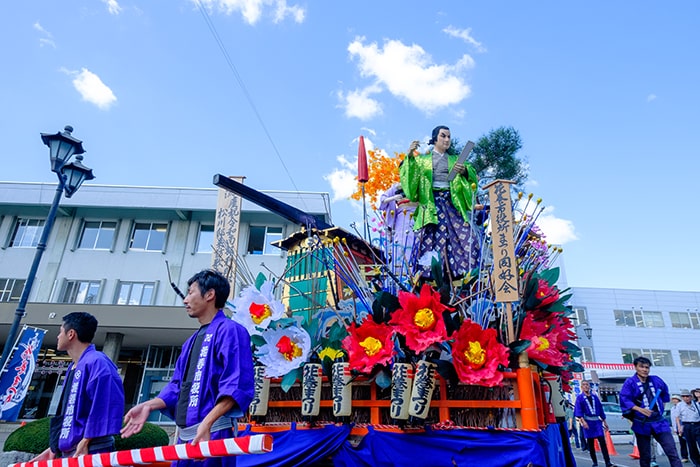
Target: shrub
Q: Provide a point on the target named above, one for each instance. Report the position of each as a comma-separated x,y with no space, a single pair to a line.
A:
34,437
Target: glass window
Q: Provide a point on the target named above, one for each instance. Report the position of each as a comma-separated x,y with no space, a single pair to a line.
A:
639,318
148,236
587,354
27,233
653,319
80,292
581,315
135,293
659,357
690,358
11,289
259,240
97,235
205,239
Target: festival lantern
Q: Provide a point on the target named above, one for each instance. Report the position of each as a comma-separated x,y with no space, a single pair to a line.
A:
311,389
342,389
258,407
422,391
401,386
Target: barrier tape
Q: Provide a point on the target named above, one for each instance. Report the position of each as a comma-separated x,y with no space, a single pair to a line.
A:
254,444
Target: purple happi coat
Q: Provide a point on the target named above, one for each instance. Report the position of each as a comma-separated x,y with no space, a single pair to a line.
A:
225,368
95,402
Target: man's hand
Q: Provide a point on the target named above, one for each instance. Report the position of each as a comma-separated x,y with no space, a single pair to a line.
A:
82,448
412,148
135,418
203,433
47,455
605,426
643,411
459,168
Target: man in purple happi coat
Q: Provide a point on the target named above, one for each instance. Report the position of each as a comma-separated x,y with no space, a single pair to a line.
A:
92,403
590,415
642,400
213,383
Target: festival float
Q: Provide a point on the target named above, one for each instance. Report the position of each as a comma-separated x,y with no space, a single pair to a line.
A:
360,361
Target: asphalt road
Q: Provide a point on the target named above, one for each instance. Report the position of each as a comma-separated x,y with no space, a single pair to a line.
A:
623,448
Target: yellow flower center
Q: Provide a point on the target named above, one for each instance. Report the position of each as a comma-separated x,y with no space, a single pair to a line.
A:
258,312
475,354
424,319
371,346
544,344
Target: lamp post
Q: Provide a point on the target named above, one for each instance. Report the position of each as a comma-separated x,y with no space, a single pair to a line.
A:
62,146
588,331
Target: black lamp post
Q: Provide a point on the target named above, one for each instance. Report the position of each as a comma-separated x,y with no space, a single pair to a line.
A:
62,146
588,331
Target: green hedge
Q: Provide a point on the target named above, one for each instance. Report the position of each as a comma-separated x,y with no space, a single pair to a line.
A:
34,437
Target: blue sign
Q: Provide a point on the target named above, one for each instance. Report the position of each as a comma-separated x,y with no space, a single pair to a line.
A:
17,374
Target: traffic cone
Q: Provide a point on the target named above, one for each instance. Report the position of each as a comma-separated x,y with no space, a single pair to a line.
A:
635,450
609,442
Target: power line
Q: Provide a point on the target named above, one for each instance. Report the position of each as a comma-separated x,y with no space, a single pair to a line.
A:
249,98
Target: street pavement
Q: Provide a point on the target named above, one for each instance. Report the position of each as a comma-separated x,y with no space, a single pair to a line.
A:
623,447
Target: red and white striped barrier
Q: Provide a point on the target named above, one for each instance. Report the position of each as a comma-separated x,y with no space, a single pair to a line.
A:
254,444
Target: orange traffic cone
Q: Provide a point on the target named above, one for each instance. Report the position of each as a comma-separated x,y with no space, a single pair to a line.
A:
635,451
609,442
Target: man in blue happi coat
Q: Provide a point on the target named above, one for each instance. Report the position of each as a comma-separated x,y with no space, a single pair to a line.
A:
642,400
92,402
588,410
213,383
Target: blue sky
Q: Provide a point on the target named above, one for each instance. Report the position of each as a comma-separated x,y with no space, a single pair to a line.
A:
168,93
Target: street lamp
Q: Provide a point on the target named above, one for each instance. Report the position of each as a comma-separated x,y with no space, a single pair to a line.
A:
62,146
588,331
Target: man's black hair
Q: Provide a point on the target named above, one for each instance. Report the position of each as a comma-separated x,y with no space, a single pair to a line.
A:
84,325
210,279
642,360
436,132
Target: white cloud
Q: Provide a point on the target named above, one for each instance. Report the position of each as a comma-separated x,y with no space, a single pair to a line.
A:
557,231
466,36
112,6
48,37
343,180
358,104
252,10
651,97
92,89
409,73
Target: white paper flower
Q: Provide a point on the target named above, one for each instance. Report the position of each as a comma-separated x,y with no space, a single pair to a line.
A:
284,350
256,309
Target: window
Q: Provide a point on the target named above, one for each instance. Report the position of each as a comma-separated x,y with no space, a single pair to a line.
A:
97,235
80,292
581,315
27,233
11,289
148,236
639,318
135,293
205,239
685,320
690,358
260,239
659,357
587,353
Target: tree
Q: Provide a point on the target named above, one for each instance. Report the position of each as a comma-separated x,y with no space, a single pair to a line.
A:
494,157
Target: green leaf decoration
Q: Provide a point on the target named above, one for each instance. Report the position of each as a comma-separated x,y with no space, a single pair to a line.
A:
260,280
436,271
519,345
290,379
575,367
257,341
337,332
550,275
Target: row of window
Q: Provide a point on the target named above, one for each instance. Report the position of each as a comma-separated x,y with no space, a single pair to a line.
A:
655,319
662,357
86,291
146,236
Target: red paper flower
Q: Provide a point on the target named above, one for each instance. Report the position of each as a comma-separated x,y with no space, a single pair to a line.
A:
476,354
420,319
546,341
546,294
368,344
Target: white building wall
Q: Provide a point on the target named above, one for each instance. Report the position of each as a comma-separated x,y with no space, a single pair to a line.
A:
609,339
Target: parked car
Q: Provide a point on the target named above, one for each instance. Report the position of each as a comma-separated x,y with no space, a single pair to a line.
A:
613,415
